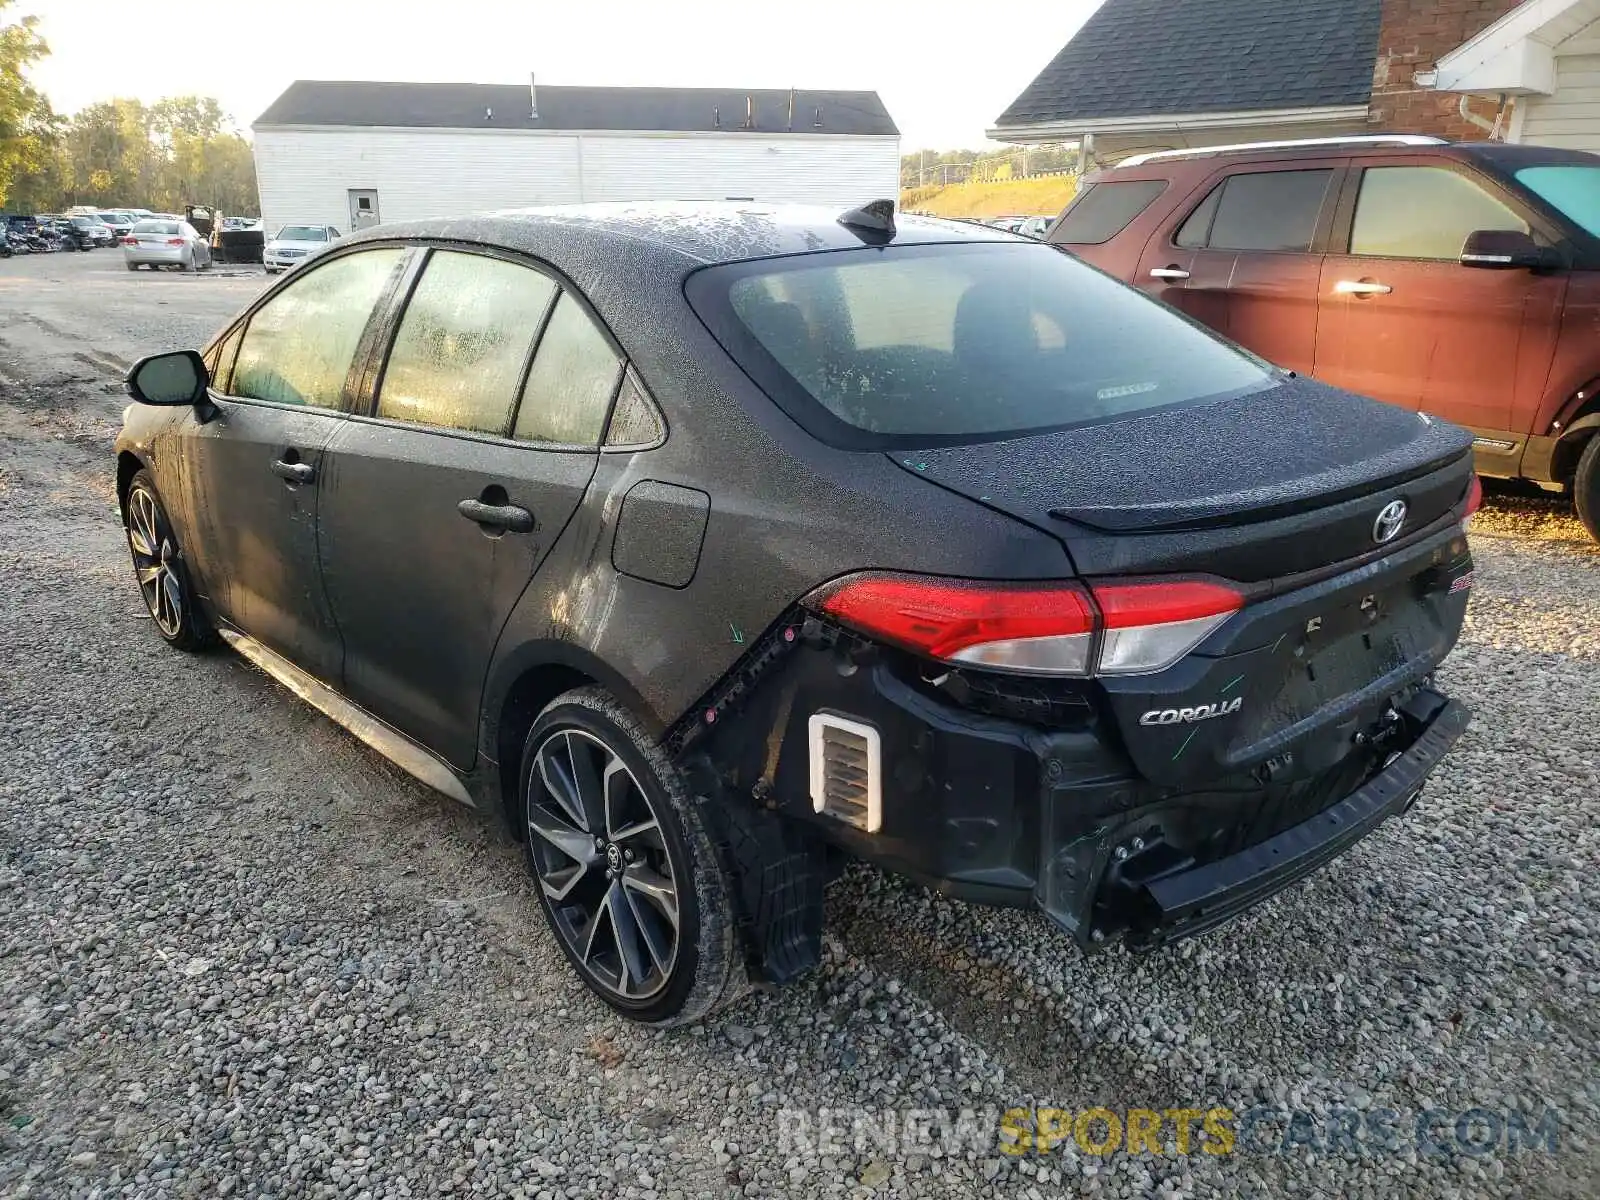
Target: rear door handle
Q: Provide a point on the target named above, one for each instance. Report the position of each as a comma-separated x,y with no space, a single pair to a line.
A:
508,517
294,472
1173,273
1361,287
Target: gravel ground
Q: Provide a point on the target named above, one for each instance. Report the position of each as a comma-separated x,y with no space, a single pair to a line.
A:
241,955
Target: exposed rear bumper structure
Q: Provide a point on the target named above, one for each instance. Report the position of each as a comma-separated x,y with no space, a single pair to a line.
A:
1192,901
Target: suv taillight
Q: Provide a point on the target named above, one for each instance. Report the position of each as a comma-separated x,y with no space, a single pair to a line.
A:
1106,628
1474,502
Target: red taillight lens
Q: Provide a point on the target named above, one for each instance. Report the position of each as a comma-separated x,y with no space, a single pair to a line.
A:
174,241
1474,501
1034,629
130,241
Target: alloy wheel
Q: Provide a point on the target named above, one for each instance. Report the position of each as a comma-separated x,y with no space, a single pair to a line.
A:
155,562
602,862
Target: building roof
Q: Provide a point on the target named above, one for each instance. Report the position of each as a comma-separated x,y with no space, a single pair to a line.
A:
508,106
1156,57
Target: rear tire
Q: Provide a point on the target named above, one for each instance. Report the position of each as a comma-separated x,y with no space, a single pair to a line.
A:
132,266
1586,486
160,570
628,877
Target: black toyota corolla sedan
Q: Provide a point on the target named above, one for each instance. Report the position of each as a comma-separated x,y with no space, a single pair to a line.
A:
707,547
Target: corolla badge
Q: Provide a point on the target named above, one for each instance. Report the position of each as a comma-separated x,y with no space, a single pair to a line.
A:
1186,716
1391,519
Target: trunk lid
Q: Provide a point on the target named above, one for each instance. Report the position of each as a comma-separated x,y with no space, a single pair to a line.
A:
1280,492
1273,483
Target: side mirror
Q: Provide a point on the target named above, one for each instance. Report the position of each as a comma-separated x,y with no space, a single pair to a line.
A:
1503,250
171,379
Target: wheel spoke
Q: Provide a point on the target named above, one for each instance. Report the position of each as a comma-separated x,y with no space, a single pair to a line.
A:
586,776
574,843
656,939
558,781
141,545
659,891
148,575
625,924
174,600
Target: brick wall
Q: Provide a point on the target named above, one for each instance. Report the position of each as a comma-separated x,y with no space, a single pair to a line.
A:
1412,36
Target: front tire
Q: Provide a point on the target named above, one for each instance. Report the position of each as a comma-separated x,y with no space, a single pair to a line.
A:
160,570
1586,487
628,877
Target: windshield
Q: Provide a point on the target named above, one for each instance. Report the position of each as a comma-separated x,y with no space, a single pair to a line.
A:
1575,190
959,342
302,233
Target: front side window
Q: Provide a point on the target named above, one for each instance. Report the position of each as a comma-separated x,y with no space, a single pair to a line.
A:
1573,189
299,345
1423,212
1265,210
1103,210
570,385
464,340
958,343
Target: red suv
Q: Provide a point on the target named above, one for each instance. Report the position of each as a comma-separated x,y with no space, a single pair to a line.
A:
1461,280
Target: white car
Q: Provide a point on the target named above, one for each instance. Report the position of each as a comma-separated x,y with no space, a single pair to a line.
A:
157,243
294,244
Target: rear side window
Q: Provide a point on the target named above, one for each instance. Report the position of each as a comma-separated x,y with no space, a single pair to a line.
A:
463,343
1423,212
912,345
299,346
574,376
1103,210
1267,210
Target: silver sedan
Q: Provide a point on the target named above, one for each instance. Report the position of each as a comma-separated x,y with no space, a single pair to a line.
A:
162,243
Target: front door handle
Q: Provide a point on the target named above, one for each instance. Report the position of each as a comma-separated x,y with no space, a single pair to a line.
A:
294,472
1361,287
1172,273
507,517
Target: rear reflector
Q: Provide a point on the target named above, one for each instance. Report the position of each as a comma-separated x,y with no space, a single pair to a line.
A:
1034,629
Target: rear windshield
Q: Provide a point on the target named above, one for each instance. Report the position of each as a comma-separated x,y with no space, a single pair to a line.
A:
1103,210
1575,190
919,344
302,233
168,227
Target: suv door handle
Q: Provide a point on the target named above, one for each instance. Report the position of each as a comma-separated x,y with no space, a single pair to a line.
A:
506,517
294,472
1361,287
1168,273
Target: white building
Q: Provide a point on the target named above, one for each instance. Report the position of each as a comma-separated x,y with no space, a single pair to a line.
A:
356,154
1543,60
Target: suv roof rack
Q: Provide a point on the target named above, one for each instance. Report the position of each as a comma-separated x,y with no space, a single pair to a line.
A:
1382,139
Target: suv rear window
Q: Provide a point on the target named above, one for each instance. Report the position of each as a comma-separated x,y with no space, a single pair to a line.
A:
914,345
1103,210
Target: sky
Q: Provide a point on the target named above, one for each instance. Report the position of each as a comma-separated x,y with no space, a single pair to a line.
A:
944,72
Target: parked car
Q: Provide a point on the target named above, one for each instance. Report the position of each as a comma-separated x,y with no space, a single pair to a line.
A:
99,232
1459,279
294,244
630,548
120,224
157,244
1035,227
69,236
1009,224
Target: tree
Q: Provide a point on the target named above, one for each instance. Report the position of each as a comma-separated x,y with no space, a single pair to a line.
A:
24,114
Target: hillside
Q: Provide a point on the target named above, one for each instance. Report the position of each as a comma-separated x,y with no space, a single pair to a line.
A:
1041,195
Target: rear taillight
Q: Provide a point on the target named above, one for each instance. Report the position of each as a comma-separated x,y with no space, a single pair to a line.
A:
1130,628
1474,502
130,241
174,241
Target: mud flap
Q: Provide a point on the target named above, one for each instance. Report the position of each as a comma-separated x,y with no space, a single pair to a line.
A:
778,870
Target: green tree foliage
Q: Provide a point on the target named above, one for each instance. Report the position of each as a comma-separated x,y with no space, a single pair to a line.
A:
25,116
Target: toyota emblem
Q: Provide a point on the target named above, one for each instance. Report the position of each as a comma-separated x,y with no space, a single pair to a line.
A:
1390,521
